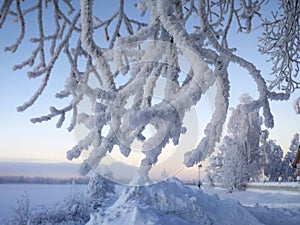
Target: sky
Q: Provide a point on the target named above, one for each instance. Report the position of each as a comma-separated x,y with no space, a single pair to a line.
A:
22,141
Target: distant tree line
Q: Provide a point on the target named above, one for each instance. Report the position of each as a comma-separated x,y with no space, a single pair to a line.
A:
42,180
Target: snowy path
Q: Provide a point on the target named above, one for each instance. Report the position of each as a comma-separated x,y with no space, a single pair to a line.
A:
269,198
274,207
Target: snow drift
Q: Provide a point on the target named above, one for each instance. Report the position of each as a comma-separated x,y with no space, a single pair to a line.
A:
171,202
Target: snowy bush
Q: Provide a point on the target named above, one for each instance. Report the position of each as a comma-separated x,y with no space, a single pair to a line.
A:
75,209
22,213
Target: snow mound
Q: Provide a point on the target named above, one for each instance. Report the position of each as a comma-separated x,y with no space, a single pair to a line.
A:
172,202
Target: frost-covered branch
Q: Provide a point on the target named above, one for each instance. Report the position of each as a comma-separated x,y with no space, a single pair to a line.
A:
47,69
281,42
20,17
119,74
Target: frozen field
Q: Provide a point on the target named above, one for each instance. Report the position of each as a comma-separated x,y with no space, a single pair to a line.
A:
40,194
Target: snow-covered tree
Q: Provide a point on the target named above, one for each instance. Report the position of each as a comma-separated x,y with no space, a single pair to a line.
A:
214,169
183,43
281,42
274,167
241,145
143,50
234,170
289,172
101,187
265,149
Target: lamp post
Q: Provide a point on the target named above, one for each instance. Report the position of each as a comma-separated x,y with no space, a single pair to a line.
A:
199,172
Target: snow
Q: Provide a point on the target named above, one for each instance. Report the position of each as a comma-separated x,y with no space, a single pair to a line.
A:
172,202
276,207
262,197
39,195
277,185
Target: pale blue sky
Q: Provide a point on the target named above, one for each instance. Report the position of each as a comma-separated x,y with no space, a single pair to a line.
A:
23,141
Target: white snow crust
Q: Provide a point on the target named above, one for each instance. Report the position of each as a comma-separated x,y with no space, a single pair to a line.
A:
172,202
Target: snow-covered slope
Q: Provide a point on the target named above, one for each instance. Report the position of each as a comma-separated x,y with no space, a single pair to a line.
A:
171,202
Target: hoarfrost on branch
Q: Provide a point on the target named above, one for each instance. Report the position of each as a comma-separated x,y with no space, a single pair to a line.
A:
146,50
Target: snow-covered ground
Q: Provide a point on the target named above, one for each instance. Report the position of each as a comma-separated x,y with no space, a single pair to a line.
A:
173,203
253,197
39,195
269,206
287,186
